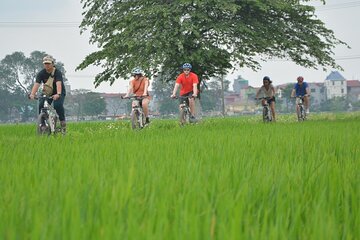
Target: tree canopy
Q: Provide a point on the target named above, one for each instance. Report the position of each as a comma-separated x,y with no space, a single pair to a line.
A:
214,35
17,75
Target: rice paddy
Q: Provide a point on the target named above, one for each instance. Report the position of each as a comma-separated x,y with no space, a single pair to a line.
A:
223,178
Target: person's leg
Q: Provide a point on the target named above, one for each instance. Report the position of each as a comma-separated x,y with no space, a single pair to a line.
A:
297,107
192,106
306,103
145,106
272,106
59,107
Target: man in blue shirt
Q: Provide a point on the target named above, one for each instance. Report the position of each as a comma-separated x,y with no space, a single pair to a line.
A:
301,89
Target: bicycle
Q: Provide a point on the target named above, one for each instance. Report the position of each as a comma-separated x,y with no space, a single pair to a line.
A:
267,112
47,121
185,115
300,109
138,119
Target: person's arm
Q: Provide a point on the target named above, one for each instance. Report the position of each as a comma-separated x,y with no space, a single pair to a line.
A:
34,90
292,93
273,90
146,87
175,90
195,90
195,83
58,90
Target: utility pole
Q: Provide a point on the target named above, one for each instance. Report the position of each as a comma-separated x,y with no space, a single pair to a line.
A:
222,96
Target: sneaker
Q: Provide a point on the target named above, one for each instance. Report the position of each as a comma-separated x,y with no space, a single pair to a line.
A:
63,127
307,111
147,120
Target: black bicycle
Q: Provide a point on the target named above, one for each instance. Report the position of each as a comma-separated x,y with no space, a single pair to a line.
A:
138,119
48,119
267,112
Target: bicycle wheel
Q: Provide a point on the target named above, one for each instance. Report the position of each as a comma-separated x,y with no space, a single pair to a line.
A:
141,119
135,120
270,115
265,115
303,114
182,116
52,124
43,125
300,113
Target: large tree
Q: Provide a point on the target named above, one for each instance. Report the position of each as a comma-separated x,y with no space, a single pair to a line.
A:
19,72
213,35
17,75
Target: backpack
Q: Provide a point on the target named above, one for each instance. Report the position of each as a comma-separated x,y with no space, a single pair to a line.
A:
48,86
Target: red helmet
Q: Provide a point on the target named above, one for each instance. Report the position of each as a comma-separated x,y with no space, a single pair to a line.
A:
300,78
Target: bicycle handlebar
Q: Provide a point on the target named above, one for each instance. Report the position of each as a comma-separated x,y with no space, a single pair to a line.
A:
260,98
37,97
301,96
134,97
183,97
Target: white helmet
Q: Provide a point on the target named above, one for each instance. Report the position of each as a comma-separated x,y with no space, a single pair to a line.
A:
137,71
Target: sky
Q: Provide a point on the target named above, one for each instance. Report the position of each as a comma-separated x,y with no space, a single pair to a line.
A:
52,27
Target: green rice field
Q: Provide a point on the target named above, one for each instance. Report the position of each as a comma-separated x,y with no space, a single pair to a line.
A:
223,178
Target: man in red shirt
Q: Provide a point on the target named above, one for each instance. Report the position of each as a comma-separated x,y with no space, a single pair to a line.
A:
188,82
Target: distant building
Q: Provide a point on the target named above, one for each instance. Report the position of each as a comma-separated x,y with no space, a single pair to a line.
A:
317,93
240,83
353,90
335,85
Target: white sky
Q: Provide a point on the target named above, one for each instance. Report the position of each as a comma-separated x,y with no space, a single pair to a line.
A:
52,26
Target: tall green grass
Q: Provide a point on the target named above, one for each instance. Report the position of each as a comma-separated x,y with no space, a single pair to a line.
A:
232,178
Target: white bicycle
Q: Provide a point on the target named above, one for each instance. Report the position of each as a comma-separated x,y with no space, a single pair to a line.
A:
138,120
300,108
185,115
267,112
47,122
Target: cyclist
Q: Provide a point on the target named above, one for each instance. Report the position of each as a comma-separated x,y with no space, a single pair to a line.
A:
139,86
268,90
187,81
301,88
53,85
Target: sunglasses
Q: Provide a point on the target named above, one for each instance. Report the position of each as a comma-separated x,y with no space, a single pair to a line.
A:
186,70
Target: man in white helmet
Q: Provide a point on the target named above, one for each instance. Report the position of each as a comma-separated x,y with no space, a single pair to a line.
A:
139,86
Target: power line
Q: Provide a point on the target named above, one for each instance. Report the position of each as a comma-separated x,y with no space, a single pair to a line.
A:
348,57
7,24
338,6
339,58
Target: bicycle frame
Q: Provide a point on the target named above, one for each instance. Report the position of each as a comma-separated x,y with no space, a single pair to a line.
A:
267,112
185,113
47,119
138,119
300,109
